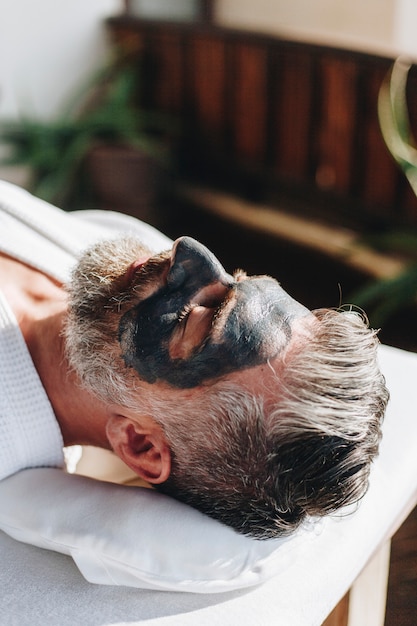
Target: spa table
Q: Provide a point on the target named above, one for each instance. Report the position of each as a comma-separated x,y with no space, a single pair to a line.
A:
40,587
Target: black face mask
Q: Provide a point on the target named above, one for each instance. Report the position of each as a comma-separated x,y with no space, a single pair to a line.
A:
254,326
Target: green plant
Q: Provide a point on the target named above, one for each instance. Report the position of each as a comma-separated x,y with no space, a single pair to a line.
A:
385,297
106,111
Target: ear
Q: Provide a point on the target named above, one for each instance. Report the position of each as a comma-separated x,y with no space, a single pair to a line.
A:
142,445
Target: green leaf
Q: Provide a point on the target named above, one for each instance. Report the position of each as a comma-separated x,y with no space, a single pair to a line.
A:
397,241
395,122
104,111
381,299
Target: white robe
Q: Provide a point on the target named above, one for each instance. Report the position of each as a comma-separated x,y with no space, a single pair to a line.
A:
49,240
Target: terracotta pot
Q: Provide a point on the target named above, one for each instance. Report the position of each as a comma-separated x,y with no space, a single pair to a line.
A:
124,179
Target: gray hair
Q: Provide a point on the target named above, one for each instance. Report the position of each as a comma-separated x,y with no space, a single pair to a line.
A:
264,472
260,469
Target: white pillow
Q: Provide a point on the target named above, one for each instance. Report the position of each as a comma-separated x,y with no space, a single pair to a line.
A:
119,535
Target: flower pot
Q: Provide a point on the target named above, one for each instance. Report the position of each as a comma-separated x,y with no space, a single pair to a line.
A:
124,179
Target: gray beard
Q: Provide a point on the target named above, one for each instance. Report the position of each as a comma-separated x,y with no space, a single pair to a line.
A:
99,294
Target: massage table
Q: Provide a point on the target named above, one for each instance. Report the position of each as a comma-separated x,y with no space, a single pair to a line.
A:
307,575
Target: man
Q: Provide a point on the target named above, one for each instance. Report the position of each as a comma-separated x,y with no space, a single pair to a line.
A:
220,390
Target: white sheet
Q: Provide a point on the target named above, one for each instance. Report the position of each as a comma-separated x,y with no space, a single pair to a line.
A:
41,587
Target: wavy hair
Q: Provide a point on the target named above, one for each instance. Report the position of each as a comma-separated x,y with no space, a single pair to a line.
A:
264,471
260,467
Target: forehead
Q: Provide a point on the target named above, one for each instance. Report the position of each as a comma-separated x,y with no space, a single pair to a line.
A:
255,325
266,375
264,296
257,318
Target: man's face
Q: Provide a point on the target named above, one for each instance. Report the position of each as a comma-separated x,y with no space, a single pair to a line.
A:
194,322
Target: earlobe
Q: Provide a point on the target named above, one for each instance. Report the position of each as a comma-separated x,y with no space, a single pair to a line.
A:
142,445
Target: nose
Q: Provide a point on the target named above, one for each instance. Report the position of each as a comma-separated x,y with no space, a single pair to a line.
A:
195,265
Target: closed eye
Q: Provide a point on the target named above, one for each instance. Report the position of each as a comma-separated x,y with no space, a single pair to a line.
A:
183,314
195,320
193,329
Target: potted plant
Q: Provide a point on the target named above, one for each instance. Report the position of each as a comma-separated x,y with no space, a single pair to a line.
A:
385,297
103,147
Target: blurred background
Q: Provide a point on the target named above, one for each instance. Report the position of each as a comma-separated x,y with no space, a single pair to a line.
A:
253,126
280,133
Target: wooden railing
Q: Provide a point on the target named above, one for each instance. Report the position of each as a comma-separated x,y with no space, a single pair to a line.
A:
266,118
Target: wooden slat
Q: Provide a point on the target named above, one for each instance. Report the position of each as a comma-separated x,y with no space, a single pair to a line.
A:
294,99
402,584
207,60
250,101
337,243
367,597
380,174
339,615
336,126
290,116
365,603
167,69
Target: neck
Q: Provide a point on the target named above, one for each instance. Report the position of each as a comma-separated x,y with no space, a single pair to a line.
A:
40,306
81,416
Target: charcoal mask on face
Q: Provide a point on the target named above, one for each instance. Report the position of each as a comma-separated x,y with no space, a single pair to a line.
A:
252,325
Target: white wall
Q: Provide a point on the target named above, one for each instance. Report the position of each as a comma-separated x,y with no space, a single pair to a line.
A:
377,25
47,48
405,27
